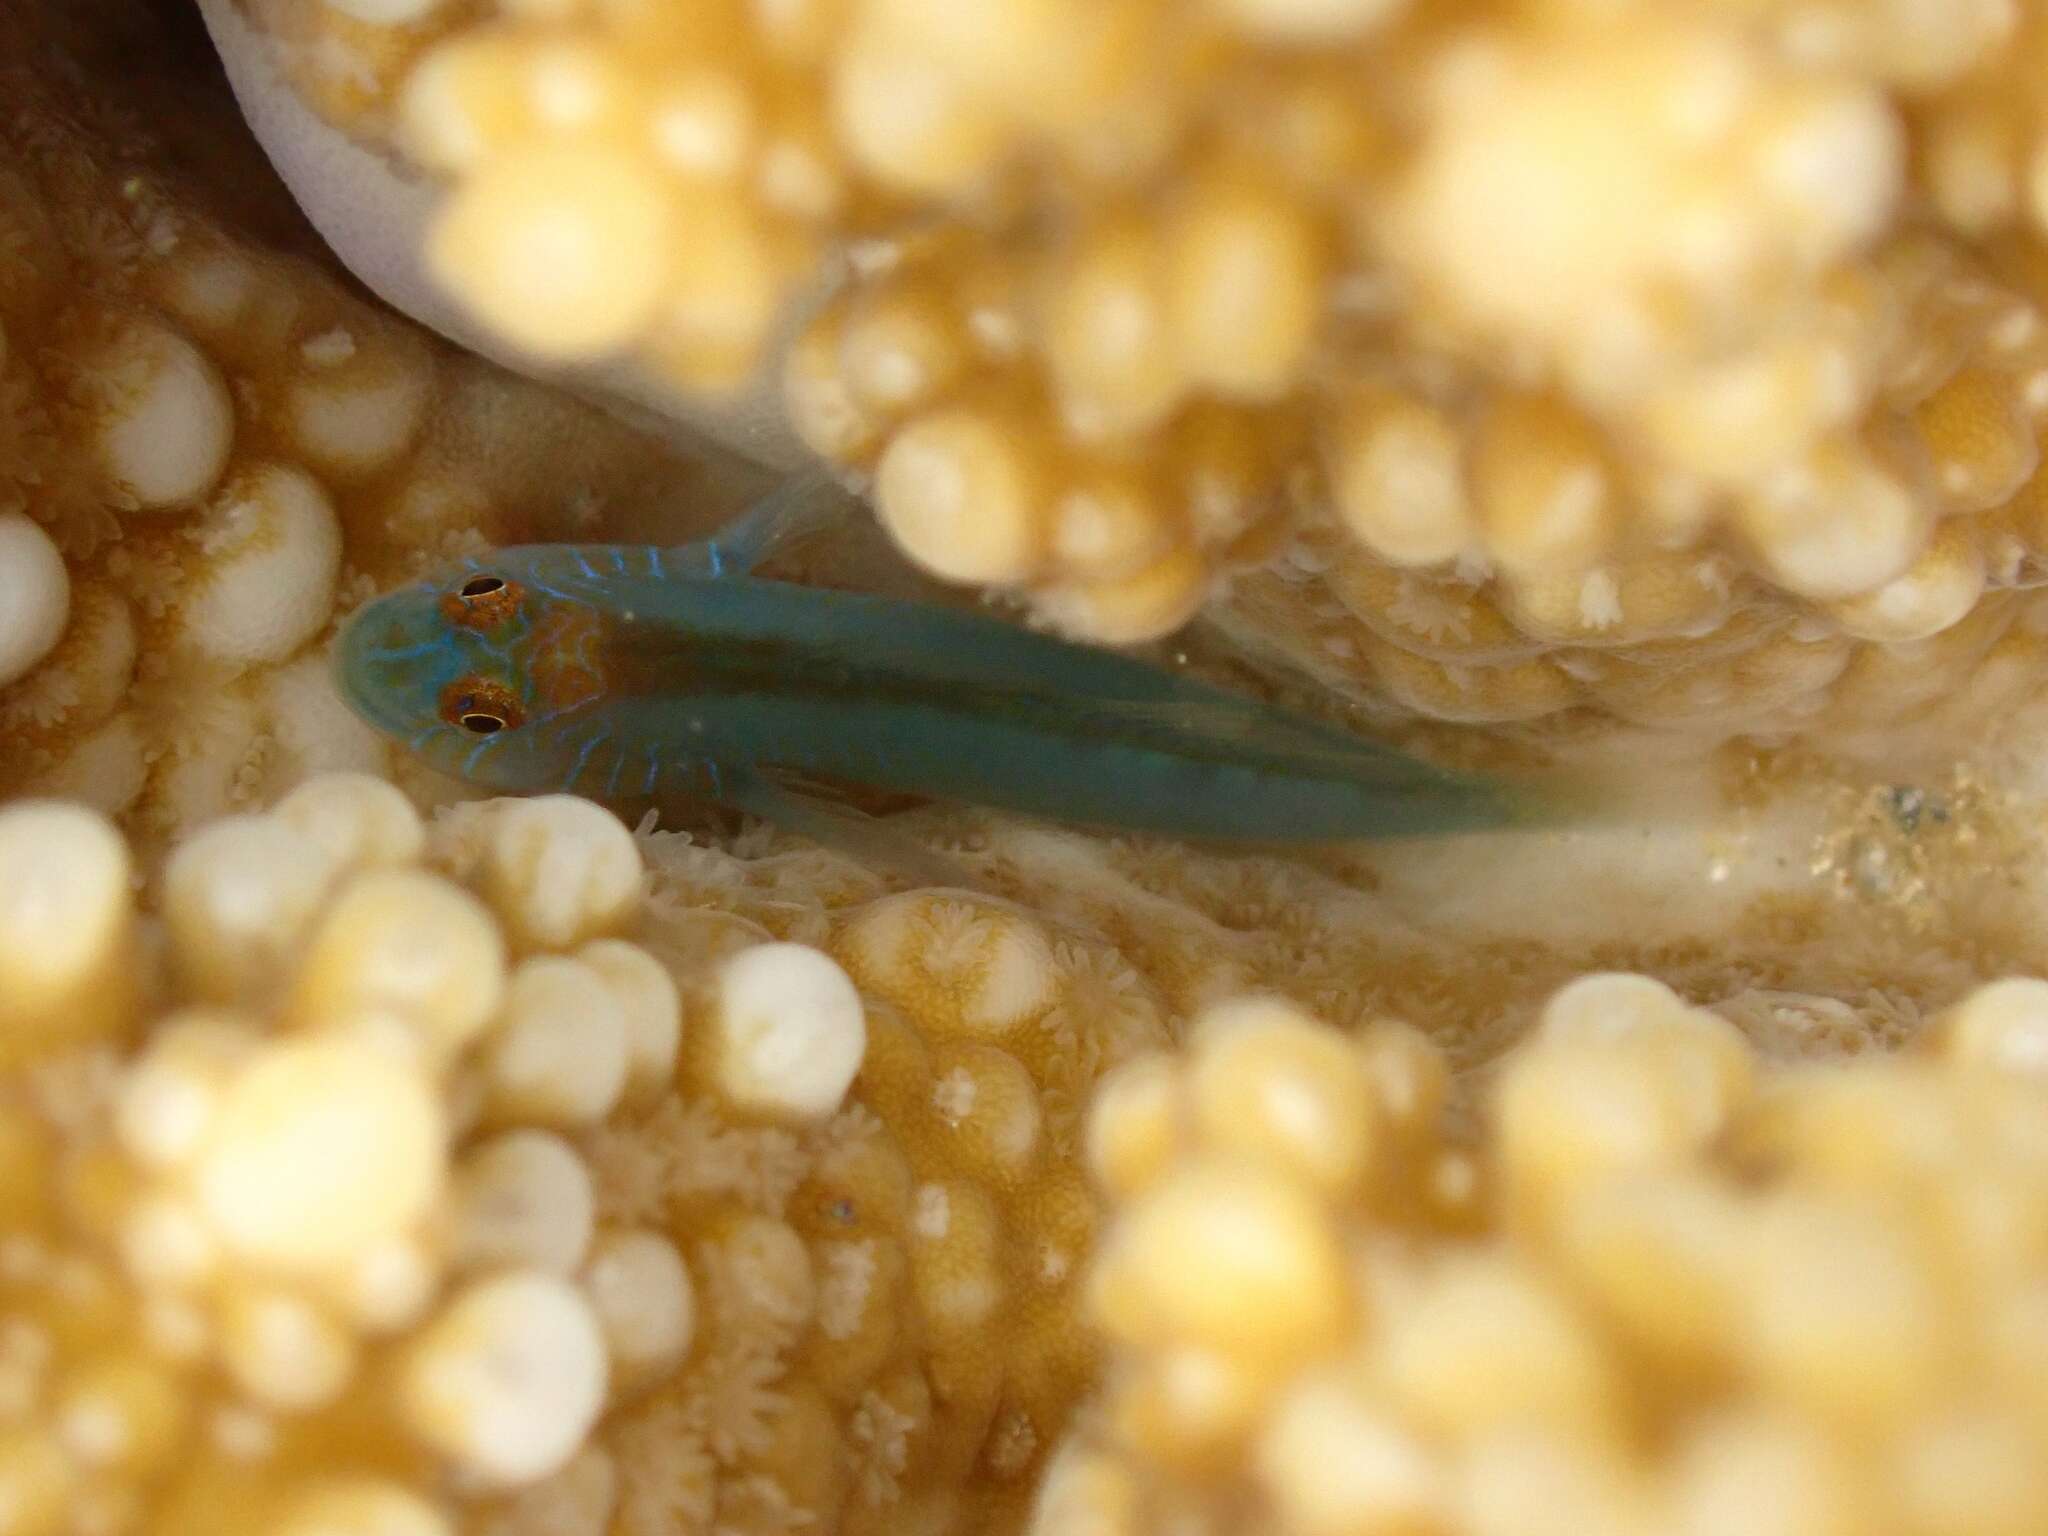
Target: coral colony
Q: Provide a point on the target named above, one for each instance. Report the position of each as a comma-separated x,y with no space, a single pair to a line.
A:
1545,383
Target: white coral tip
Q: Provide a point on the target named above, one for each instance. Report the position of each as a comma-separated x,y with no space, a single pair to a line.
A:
560,870
790,1031
322,1147
509,1379
523,1200
644,1299
64,903
35,596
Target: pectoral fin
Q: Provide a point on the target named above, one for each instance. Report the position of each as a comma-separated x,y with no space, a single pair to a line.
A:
867,838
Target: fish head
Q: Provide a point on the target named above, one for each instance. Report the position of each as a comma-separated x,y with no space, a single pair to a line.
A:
478,670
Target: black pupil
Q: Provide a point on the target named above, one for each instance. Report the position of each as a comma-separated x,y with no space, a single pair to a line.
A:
481,586
483,725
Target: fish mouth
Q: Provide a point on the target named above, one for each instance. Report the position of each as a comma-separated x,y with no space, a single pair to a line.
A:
376,661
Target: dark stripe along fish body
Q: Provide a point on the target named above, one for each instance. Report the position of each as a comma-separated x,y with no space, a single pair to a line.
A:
936,701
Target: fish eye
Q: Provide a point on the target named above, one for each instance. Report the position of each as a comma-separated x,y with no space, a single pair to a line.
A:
482,602
480,706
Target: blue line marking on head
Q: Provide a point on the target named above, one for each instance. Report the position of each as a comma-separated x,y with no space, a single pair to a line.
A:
408,652
583,757
469,764
552,591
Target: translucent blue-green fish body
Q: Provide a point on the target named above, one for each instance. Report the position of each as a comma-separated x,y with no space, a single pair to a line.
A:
632,673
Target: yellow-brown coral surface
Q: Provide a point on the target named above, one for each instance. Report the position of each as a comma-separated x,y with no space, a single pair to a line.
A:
379,1162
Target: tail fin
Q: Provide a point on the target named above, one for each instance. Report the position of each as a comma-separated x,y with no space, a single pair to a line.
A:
1606,797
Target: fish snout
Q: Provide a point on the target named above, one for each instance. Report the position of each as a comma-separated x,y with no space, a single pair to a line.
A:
386,665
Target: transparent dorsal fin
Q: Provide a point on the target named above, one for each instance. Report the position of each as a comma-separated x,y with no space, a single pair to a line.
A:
786,516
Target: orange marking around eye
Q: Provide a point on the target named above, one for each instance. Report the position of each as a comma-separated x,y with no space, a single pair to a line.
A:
487,610
480,696
568,657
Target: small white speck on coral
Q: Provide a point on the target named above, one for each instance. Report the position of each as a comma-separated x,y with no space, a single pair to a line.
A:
329,349
843,1291
953,1095
881,1436
1600,600
932,1214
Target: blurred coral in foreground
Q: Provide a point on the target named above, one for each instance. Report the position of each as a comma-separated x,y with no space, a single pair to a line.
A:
500,1173
1682,363
1668,1288
393,1176
291,1223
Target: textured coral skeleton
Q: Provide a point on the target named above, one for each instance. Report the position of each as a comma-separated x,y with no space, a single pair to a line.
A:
375,1161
